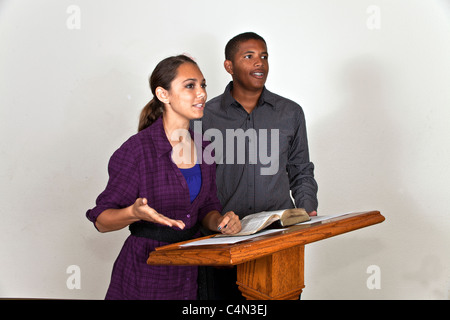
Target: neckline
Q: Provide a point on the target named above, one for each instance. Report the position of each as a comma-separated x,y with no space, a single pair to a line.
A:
191,168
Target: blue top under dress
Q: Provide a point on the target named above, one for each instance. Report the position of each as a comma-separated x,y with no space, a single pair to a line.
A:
193,178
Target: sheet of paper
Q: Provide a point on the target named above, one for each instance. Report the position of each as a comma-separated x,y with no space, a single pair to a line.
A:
227,240
231,240
315,219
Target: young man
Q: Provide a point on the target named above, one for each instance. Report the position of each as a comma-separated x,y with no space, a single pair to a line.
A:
265,155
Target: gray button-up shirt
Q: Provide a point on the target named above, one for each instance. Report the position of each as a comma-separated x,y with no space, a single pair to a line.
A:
262,157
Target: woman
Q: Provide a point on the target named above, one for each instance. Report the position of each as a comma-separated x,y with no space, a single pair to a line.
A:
162,195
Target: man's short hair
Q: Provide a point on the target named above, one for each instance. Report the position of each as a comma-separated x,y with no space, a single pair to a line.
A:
232,46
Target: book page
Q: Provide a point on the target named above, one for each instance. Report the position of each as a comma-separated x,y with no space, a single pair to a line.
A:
257,221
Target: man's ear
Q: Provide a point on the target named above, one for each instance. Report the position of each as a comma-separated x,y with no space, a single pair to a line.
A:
228,66
162,95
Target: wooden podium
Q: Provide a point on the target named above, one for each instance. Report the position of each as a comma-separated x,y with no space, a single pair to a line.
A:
269,267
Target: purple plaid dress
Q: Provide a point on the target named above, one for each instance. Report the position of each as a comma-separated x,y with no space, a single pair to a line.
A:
142,167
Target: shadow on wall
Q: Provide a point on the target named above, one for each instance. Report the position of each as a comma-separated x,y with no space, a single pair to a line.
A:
358,143
362,163
358,167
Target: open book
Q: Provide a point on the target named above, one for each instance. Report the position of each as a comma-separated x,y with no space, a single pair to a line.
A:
258,221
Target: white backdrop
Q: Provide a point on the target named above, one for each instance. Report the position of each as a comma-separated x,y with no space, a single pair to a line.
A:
372,77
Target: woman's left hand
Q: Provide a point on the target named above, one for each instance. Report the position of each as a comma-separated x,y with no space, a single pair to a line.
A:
229,223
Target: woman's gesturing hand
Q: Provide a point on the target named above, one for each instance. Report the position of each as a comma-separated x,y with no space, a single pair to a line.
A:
143,211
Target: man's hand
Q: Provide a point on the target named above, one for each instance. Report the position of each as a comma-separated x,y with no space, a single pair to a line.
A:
312,213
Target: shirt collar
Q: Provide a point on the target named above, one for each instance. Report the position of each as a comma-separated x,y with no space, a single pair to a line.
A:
157,134
228,100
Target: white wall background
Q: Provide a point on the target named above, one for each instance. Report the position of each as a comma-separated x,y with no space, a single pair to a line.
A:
376,101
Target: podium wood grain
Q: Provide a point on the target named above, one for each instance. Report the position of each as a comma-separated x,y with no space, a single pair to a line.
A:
269,266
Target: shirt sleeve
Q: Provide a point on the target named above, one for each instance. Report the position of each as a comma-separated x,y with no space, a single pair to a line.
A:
301,169
122,188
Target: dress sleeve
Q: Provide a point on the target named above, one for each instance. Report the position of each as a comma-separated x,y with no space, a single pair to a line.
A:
122,188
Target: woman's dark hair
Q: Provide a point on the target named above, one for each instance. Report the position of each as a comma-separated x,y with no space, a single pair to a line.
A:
232,46
162,76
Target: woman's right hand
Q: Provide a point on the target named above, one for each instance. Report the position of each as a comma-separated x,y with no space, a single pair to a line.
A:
142,211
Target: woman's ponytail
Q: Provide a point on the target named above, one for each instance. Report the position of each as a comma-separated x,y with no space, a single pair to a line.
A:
152,111
163,75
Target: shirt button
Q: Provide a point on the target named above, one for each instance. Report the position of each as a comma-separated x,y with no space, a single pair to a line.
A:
188,216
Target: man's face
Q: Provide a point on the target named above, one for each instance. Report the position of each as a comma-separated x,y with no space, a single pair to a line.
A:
250,65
